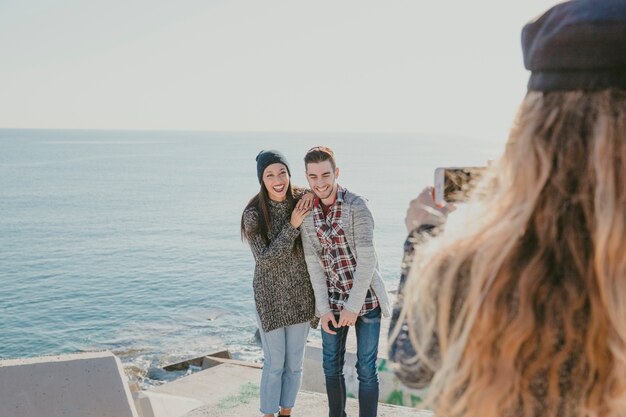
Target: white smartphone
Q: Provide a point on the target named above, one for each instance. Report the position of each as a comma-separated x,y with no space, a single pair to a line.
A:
454,184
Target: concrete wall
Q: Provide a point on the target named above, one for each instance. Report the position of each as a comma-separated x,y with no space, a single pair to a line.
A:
74,385
392,391
154,404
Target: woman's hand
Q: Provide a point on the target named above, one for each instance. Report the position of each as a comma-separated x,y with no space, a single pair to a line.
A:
298,215
424,210
306,201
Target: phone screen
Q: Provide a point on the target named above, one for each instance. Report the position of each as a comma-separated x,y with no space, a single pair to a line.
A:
453,185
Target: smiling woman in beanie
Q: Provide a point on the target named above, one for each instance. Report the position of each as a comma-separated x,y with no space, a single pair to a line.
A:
283,295
523,312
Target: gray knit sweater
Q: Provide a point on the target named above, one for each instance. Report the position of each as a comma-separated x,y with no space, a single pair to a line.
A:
282,288
358,225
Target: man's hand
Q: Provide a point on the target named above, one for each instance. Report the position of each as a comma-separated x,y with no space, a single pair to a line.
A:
328,317
347,318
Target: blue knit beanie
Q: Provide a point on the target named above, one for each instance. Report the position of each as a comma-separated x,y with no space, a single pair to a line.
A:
267,158
577,45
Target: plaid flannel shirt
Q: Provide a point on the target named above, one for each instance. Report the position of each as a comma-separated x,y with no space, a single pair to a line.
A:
337,260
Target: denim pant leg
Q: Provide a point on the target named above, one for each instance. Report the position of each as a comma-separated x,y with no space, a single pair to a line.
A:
367,336
273,367
333,354
295,342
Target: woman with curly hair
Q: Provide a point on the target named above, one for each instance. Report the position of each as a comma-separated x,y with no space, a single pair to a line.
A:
523,311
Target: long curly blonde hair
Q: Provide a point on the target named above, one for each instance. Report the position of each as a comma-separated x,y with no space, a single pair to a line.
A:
527,303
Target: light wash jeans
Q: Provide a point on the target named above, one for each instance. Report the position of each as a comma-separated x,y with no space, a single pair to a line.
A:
283,354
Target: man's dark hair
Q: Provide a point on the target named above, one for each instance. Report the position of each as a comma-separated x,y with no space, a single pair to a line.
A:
320,154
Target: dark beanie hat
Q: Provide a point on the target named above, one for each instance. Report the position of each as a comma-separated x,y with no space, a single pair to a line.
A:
267,158
577,45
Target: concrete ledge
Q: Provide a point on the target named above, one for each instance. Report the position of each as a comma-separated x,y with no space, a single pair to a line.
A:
154,404
215,386
233,390
74,385
308,404
392,391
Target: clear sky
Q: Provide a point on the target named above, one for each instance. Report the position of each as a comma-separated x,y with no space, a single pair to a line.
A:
433,67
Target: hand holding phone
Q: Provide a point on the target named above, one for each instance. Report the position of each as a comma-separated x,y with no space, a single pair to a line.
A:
424,210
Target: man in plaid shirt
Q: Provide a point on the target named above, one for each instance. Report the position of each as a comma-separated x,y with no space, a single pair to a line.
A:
339,250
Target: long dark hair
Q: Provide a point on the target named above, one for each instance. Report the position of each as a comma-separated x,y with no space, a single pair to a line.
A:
260,202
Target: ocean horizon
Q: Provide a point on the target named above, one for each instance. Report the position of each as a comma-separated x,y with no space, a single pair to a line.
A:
129,240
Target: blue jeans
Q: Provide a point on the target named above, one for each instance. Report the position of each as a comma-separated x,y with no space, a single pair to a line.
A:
334,350
283,353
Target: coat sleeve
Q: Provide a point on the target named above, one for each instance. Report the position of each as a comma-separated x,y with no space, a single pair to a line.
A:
406,364
316,273
279,248
363,229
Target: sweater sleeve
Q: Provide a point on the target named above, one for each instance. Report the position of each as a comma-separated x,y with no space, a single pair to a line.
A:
407,365
363,227
280,248
317,275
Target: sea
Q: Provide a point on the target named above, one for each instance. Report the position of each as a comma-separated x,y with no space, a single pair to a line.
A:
129,241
